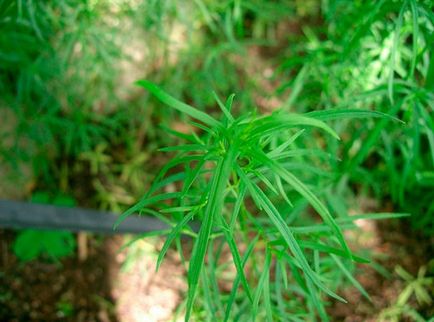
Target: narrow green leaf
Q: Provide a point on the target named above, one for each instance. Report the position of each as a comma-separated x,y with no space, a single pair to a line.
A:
262,280
372,216
350,277
192,176
235,256
223,108
296,88
213,209
332,250
306,193
142,203
316,301
275,152
202,127
281,226
284,273
237,280
277,122
415,17
212,268
208,299
237,207
316,229
338,114
185,148
229,102
157,183
282,191
178,209
178,105
187,137
372,138
142,236
173,234
266,290
265,180
279,290
394,51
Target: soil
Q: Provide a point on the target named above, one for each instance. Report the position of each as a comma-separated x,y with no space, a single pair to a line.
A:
72,290
99,288
87,290
393,243
108,286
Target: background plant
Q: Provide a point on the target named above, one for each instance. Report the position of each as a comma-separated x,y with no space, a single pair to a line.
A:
417,287
31,244
378,56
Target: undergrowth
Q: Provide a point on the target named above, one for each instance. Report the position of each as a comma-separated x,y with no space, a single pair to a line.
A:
374,55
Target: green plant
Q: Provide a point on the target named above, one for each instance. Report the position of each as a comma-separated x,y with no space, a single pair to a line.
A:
57,80
419,287
31,244
375,55
240,179
65,308
68,110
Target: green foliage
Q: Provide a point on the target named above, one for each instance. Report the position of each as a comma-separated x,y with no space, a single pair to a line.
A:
58,80
65,69
65,308
418,287
374,55
31,244
332,69
221,174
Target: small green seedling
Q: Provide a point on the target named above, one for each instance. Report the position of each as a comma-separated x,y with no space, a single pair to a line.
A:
418,287
32,244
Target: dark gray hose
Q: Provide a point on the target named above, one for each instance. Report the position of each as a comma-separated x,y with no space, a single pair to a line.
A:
19,215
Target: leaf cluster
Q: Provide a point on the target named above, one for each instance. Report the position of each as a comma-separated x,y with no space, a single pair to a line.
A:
229,179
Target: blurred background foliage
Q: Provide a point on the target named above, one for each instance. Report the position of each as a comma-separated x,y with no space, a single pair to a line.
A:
73,123
70,109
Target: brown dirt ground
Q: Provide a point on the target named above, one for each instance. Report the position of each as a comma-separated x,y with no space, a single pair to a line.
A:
99,289
95,289
393,243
